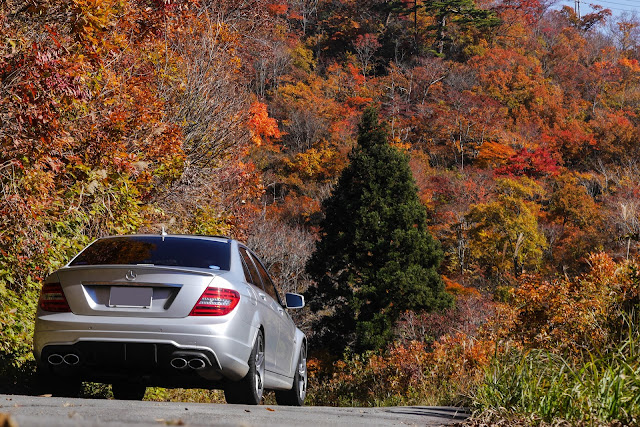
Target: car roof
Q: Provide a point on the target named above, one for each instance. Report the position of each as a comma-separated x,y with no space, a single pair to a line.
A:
180,236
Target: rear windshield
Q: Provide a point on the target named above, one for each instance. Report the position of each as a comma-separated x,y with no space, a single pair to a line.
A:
156,250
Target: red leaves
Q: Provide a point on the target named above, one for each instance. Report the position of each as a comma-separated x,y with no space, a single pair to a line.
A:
531,10
574,140
533,163
357,76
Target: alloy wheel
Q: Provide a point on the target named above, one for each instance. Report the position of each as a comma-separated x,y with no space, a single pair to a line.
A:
259,365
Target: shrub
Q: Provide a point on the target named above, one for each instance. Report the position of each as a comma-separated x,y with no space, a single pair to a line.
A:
17,310
582,313
404,374
573,352
604,388
396,376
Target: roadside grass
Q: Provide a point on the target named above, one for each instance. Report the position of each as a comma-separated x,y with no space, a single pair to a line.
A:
184,395
591,389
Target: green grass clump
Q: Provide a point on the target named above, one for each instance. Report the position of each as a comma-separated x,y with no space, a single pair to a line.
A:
591,388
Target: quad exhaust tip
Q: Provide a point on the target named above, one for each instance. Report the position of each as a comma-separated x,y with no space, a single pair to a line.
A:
195,363
179,363
55,359
70,359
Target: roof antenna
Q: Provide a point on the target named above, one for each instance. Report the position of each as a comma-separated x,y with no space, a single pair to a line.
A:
163,233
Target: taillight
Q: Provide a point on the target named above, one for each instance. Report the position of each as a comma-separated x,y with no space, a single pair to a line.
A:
216,302
52,298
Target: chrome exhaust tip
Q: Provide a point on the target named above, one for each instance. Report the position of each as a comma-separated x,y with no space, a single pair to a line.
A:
71,359
55,359
179,363
197,364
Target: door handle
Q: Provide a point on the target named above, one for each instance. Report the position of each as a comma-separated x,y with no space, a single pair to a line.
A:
263,296
281,311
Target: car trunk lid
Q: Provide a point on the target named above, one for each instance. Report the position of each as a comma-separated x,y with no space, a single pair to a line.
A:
134,290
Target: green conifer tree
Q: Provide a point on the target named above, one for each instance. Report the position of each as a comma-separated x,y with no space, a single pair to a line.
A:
375,258
460,14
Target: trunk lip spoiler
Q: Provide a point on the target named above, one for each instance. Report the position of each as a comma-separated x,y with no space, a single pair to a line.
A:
132,284
146,268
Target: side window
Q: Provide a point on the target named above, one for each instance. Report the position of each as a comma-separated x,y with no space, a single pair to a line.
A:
269,287
247,273
250,272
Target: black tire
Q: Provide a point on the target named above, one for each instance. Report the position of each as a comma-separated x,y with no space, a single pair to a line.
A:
128,391
298,392
58,386
250,389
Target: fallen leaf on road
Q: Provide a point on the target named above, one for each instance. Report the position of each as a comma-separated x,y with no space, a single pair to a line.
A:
67,404
168,422
46,395
246,410
6,420
270,410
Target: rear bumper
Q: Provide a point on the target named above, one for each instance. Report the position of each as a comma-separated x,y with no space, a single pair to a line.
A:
142,349
148,363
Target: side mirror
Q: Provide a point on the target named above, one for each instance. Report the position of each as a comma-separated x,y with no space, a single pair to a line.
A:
294,300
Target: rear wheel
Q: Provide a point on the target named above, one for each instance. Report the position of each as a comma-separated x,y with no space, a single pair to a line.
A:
250,389
298,392
128,391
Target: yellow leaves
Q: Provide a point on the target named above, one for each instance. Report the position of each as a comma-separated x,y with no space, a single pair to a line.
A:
521,188
504,236
319,164
402,146
302,58
37,182
94,18
208,220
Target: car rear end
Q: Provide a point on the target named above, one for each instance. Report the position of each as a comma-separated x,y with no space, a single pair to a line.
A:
159,310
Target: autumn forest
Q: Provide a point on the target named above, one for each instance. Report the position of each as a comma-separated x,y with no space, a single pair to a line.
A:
520,122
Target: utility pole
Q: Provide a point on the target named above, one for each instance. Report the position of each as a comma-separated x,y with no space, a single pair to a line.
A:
415,25
576,8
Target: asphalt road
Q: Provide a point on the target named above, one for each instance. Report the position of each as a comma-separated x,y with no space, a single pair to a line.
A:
28,411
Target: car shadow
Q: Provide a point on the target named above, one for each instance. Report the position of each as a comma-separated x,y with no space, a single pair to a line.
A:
450,413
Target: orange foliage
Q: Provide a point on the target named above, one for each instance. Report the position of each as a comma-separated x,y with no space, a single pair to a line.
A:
494,154
278,8
405,374
461,358
263,128
575,314
455,288
295,209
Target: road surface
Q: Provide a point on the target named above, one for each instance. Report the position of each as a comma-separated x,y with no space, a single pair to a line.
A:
32,411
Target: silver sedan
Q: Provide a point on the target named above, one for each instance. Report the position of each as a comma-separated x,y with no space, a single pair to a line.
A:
169,311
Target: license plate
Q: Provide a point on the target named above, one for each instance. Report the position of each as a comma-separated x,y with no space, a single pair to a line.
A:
130,297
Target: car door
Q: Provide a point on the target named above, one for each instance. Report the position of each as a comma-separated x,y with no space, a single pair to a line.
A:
286,336
271,321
